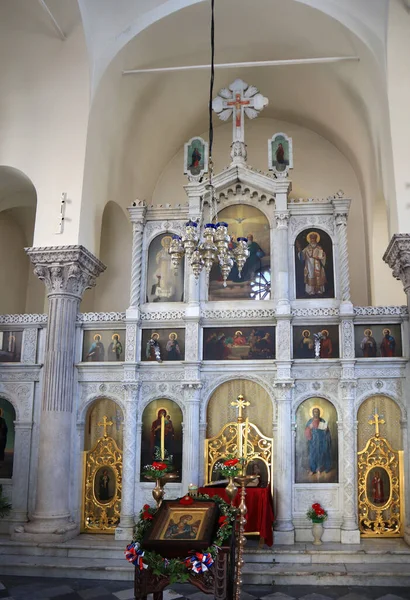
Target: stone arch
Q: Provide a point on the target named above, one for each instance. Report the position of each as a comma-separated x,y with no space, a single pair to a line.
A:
391,411
361,399
159,396
154,267
311,394
21,411
83,409
93,432
266,209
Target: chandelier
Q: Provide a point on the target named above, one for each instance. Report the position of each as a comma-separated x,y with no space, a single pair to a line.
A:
215,248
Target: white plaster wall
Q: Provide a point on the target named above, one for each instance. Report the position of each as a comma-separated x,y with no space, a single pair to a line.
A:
14,266
44,111
320,170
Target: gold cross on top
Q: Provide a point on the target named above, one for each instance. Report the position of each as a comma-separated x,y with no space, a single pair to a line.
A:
376,421
240,404
106,423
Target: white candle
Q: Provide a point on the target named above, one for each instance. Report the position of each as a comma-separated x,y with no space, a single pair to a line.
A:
162,436
245,450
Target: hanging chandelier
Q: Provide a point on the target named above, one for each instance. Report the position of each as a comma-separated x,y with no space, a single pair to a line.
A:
214,248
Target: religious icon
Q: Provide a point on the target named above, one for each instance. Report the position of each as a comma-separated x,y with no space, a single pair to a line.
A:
315,343
10,346
314,265
115,347
258,468
305,347
184,529
280,154
162,434
378,485
97,350
316,442
163,284
326,346
104,484
247,343
388,345
378,341
195,158
254,282
163,345
7,418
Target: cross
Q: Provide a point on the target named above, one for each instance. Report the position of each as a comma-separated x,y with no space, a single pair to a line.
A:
106,423
240,404
240,98
376,421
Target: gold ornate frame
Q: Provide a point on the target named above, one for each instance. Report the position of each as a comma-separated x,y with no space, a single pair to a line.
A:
98,516
386,519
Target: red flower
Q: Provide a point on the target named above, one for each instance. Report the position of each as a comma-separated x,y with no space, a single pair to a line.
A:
320,511
186,500
147,516
316,505
159,465
222,520
145,507
231,462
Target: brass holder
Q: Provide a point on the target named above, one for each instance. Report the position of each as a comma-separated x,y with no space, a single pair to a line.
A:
158,492
231,490
242,510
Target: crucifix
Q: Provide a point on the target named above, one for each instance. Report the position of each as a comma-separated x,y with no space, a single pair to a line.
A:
105,423
376,421
238,100
240,404
242,446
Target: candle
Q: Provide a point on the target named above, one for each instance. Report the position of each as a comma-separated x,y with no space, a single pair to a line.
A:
245,450
162,436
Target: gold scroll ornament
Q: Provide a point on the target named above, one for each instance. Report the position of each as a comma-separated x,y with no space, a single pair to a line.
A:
380,486
102,485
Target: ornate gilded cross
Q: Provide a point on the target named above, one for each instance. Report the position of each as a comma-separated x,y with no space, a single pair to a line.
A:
106,423
376,421
240,404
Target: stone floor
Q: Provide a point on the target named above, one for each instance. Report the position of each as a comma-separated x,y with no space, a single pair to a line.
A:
33,588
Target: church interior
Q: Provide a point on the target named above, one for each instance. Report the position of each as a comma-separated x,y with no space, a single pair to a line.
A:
205,257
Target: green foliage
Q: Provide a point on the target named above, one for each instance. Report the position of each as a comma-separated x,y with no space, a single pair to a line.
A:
5,506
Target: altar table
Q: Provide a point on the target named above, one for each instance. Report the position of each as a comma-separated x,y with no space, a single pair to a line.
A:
260,509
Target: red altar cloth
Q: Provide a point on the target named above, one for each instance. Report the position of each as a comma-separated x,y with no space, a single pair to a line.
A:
260,509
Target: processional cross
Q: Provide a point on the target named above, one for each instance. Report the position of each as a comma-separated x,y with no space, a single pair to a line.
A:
239,99
105,423
376,421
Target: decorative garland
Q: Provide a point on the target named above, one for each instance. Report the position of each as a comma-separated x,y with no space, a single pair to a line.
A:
179,569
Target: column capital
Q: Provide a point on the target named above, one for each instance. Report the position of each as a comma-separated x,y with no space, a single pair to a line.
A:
282,219
65,269
137,212
397,256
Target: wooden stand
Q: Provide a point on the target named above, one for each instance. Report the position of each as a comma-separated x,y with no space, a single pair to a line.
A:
217,581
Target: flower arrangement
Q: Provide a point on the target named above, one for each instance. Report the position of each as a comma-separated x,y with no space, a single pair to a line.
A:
157,469
180,569
316,513
229,467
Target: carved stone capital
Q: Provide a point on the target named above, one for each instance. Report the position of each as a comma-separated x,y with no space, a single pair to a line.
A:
397,256
239,153
66,269
282,219
341,219
137,212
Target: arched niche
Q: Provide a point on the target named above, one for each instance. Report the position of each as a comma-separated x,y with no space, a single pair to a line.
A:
255,281
7,435
316,442
389,411
220,411
163,285
314,270
100,408
22,291
151,434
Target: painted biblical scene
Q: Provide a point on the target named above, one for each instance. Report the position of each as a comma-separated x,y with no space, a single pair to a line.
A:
238,343
163,285
7,418
181,525
316,452
314,265
104,484
195,157
162,435
10,346
378,486
163,345
255,280
316,342
280,153
104,345
103,411
377,341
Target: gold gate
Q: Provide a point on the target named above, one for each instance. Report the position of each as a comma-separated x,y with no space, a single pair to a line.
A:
102,485
381,487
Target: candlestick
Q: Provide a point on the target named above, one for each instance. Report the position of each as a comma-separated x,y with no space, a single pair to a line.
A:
162,436
245,450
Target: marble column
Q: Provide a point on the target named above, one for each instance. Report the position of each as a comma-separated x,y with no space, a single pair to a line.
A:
341,211
349,532
397,256
67,272
281,253
125,529
137,216
190,461
284,529
22,449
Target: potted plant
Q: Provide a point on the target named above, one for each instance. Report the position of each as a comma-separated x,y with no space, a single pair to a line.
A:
317,514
